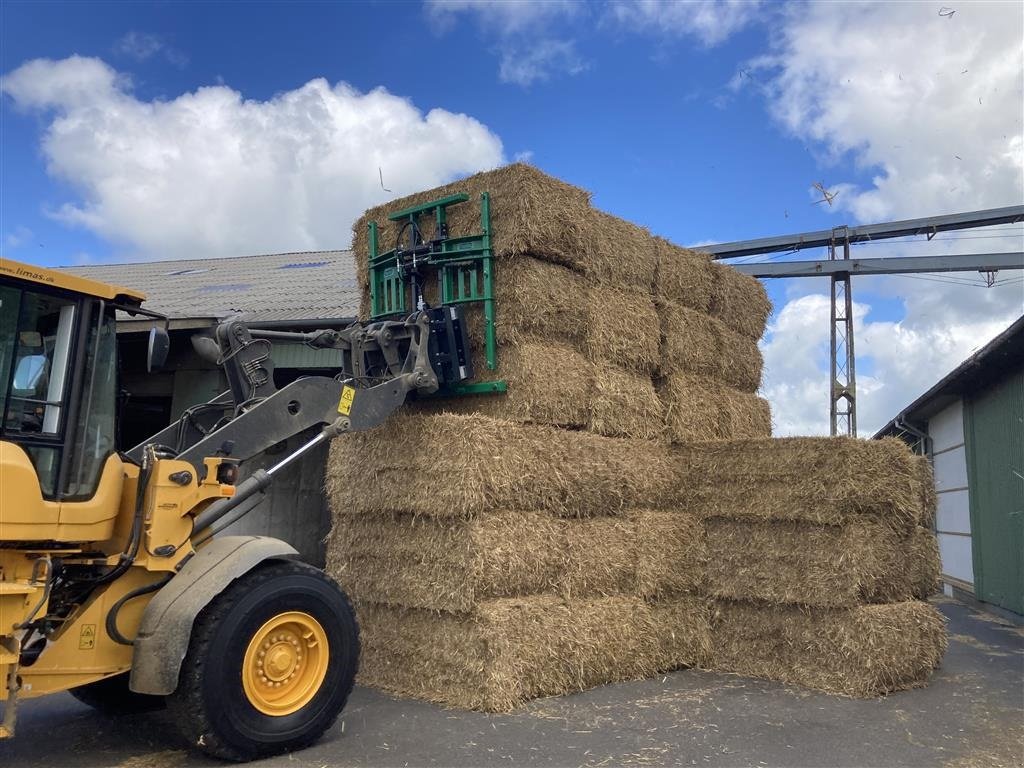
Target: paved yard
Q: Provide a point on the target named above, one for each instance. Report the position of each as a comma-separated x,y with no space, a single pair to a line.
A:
971,716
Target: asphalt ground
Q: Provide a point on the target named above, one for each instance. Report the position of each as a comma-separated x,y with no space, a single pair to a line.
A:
971,715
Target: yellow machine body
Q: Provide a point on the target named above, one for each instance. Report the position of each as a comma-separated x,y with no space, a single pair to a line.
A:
55,278
39,534
115,582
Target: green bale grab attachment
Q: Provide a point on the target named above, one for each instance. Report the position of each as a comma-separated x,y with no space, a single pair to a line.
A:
464,269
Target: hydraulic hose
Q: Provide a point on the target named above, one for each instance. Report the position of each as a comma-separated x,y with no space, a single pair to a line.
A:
111,622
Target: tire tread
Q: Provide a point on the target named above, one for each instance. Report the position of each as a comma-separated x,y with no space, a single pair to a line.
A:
187,703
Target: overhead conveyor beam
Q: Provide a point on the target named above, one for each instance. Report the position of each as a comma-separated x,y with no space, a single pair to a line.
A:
894,265
840,266
928,226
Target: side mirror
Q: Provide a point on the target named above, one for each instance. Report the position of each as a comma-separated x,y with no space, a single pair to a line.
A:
156,354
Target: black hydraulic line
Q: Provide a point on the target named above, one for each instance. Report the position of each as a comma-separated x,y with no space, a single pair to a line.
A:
135,537
111,621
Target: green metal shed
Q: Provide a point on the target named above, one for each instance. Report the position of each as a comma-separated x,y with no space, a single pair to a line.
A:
971,424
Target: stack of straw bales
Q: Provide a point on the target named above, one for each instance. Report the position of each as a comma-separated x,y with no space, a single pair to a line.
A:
582,529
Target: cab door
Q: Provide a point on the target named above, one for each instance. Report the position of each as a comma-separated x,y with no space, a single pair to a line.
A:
58,386
37,342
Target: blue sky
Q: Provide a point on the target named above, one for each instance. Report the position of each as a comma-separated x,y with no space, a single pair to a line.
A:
638,127
702,121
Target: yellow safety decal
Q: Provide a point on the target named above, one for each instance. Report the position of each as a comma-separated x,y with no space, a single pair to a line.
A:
348,396
87,637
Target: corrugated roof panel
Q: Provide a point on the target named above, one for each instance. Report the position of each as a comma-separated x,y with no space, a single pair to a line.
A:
279,287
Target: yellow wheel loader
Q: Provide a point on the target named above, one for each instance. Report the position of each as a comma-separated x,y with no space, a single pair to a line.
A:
114,582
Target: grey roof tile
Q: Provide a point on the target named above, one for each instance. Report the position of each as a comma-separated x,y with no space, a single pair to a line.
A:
315,285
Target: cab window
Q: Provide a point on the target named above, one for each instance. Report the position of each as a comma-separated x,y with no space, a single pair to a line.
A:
36,347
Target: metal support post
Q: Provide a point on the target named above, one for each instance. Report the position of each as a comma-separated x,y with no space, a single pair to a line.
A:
842,363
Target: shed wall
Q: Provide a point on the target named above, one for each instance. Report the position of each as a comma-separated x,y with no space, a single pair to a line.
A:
994,425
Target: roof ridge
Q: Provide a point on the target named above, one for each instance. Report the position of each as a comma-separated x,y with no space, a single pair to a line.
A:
202,260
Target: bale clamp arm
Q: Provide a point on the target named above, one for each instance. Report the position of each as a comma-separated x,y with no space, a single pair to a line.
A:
464,268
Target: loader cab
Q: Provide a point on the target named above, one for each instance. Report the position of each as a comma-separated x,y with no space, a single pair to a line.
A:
58,377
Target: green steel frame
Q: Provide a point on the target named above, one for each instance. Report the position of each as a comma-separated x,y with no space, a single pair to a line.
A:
464,267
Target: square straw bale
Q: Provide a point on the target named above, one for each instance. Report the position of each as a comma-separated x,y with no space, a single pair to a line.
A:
924,479
450,465
505,652
739,301
682,626
623,328
600,557
531,213
924,563
451,565
816,565
745,416
689,340
625,405
866,651
683,276
623,253
533,299
671,553
698,408
601,398
495,658
739,361
692,408
448,565
821,480
532,395
649,553
613,639
695,343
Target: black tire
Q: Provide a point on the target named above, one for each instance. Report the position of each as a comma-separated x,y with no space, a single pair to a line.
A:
211,705
112,696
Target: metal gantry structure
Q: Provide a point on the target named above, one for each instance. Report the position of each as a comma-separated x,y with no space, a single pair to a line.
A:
843,361
840,267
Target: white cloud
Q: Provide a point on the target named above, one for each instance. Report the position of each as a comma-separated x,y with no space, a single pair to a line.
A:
709,21
210,173
521,31
930,106
18,237
142,46
538,61
505,16
905,358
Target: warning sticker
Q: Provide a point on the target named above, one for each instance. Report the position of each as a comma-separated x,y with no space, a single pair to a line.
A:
348,396
87,637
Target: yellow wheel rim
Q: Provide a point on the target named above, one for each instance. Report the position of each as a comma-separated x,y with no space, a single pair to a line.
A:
285,663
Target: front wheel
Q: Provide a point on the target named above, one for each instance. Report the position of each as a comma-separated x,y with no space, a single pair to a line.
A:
270,665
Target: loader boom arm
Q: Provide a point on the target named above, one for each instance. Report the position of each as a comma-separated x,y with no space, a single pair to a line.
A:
382,362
